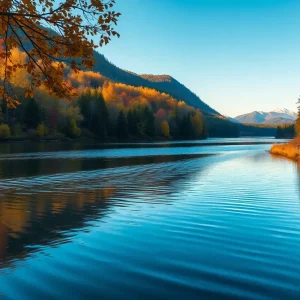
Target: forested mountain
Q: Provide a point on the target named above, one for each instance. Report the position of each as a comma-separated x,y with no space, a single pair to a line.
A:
275,117
162,83
100,108
129,105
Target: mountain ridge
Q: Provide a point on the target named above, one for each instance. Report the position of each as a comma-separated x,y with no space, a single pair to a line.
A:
162,83
274,117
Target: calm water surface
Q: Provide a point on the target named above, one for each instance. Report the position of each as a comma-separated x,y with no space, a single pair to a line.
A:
214,218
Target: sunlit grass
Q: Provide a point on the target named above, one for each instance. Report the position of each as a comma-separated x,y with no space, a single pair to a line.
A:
289,149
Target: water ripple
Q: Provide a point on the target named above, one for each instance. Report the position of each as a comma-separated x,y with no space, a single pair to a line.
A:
188,225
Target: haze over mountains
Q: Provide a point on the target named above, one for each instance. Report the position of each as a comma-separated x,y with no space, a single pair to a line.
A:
275,117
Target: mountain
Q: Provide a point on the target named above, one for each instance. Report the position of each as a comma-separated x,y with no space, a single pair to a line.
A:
162,83
275,117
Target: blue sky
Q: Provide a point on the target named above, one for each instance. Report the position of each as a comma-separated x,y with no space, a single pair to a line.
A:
237,55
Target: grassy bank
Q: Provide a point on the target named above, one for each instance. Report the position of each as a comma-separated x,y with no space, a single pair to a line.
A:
288,150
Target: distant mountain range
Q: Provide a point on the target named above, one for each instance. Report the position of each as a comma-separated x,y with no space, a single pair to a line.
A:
275,117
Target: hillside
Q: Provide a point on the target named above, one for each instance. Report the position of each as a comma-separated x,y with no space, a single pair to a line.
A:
162,83
275,117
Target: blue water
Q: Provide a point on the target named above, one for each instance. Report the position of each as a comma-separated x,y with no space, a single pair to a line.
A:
215,218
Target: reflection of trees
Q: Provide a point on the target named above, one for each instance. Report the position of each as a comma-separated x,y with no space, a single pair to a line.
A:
42,218
33,167
42,210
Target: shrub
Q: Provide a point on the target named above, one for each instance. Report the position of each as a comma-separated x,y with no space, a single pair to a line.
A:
16,129
4,131
41,130
289,150
73,130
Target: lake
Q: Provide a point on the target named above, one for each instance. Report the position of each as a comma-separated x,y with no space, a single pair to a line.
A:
218,218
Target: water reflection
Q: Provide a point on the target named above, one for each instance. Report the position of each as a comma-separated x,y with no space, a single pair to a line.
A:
43,210
185,224
41,166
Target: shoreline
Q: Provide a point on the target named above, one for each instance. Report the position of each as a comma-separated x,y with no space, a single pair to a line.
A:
288,150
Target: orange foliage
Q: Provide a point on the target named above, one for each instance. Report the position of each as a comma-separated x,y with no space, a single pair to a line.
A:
23,25
289,150
83,79
18,76
127,96
165,129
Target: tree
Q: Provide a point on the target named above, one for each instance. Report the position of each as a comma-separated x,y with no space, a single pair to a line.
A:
73,130
41,130
32,115
122,129
4,131
52,33
186,128
149,122
132,120
285,131
101,120
95,113
297,124
165,129
198,124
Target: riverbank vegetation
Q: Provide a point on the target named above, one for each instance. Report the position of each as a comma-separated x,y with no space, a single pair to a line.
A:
99,109
289,150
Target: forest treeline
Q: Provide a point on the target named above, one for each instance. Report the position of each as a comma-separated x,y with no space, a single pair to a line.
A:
285,131
99,109
108,110
257,129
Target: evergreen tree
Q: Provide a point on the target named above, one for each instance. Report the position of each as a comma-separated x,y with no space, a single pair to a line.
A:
186,128
32,114
95,113
4,111
297,124
149,122
100,121
122,127
83,102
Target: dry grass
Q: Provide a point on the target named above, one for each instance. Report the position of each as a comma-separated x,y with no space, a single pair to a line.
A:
288,150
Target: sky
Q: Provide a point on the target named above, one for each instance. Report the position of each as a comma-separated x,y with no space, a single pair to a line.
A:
236,55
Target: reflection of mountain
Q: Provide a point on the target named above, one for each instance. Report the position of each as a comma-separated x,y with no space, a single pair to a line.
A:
45,210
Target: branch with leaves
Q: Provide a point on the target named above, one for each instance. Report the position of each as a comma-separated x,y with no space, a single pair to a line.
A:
51,34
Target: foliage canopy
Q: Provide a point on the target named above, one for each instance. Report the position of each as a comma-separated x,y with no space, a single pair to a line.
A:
51,34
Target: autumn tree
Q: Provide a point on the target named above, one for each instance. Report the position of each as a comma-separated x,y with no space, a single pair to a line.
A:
165,129
51,34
